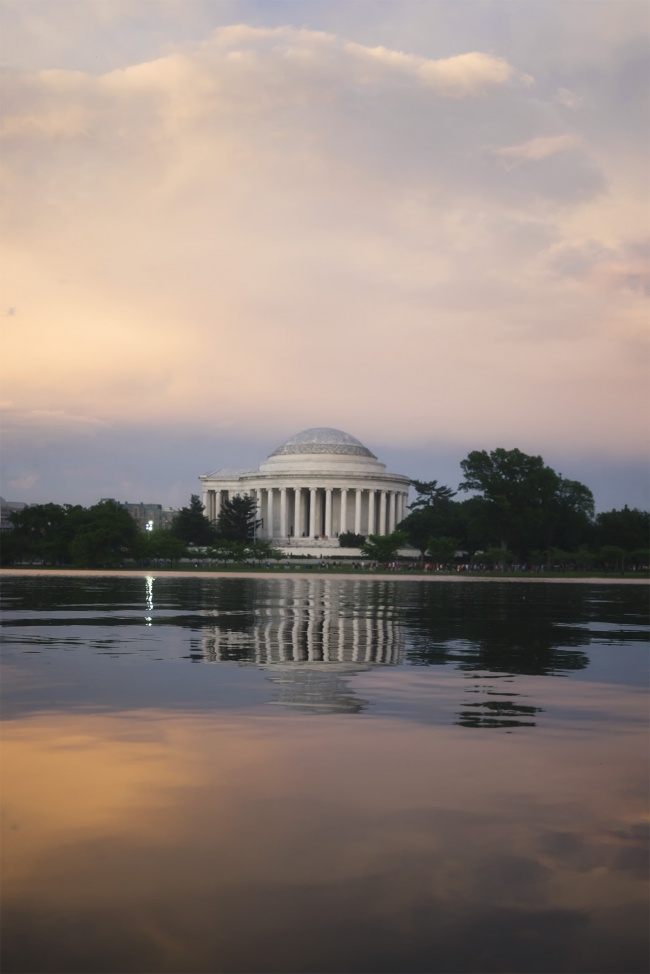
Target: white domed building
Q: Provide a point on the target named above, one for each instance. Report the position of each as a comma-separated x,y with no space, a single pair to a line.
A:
319,484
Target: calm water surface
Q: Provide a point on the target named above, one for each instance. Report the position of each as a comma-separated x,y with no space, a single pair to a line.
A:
323,775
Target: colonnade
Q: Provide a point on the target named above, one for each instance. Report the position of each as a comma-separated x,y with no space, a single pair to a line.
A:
317,512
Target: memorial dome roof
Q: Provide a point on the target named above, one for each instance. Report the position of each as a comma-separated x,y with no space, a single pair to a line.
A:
323,439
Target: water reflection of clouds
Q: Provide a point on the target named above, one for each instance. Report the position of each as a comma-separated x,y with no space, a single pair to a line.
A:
162,841
216,833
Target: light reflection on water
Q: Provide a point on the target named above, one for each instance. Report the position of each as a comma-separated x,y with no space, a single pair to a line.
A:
364,777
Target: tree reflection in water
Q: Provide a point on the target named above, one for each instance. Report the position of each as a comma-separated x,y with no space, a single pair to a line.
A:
312,634
303,624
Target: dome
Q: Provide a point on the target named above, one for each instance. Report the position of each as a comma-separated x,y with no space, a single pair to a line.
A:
323,439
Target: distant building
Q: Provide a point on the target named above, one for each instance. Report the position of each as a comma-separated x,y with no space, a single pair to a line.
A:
156,515
7,508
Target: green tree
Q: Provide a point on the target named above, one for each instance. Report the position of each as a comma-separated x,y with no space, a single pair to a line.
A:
224,549
429,494
383,547
44,532
476,529
538,558
160,545
557,556
107,536
191,525
443,550
351,540
432,514
640,557
520,498
237,521
417,528
38,534
570,514
613,556
262,551
628,528
497,557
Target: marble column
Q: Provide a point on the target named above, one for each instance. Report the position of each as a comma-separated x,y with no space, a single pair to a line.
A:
283,512
357,511
343,519
372,524
297,521
269,532
312,512
391,511
382,512
328,512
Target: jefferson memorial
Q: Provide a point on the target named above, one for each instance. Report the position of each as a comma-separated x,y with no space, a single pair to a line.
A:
319,484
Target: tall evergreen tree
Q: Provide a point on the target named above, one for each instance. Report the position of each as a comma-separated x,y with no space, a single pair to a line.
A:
236,521
429,494
191,525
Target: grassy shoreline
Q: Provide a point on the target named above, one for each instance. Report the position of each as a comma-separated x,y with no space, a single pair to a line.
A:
345,572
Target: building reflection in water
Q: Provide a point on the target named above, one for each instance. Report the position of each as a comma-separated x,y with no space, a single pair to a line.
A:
318,633
312,633
149,582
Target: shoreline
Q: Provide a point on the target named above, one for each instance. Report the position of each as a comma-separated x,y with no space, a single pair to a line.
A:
356,576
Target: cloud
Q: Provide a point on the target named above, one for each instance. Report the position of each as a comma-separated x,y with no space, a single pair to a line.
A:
626,267
465,75
568,98
16,421
272,228
630,275
535,149
25,483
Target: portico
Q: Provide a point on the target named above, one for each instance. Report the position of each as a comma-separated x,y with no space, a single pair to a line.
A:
319,484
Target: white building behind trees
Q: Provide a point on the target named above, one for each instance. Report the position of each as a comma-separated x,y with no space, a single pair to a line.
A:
319,484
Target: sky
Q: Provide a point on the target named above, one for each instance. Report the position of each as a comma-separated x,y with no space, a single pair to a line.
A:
425,223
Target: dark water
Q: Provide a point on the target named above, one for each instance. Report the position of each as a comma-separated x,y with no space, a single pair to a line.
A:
320,775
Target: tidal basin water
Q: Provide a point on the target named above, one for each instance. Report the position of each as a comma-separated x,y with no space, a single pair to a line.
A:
315,774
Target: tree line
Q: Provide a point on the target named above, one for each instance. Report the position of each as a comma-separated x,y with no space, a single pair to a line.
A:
520,511
106,536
